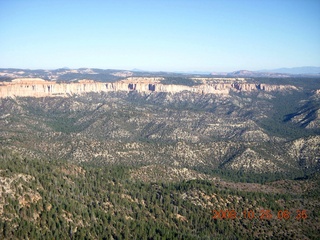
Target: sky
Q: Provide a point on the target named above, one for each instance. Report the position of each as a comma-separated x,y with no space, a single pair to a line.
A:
162,35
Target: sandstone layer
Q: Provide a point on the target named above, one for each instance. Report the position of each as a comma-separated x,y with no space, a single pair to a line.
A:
36,87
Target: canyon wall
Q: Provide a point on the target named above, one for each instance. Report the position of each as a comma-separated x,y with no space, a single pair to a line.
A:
36,87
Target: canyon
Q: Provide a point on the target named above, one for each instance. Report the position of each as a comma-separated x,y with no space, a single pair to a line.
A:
100,143
245,118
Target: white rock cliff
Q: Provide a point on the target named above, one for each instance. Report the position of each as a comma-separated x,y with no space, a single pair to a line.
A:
36,87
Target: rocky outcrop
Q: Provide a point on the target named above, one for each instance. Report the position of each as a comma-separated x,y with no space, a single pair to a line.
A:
306,151
36,87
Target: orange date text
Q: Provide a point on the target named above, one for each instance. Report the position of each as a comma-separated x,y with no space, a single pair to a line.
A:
262,214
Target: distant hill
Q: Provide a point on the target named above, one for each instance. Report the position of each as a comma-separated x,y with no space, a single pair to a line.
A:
246,73
295,70
280,72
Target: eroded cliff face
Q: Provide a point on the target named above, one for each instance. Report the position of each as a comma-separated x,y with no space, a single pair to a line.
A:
36,87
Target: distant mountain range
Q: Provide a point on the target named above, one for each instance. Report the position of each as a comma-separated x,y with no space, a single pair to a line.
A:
246,73
112,75
280,72
295,70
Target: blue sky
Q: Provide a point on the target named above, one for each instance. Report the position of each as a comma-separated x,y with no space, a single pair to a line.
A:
166,35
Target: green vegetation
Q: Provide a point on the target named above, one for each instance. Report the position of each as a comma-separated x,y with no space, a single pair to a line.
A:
114,165
54,199
251,177
99,77
277,123
180,81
